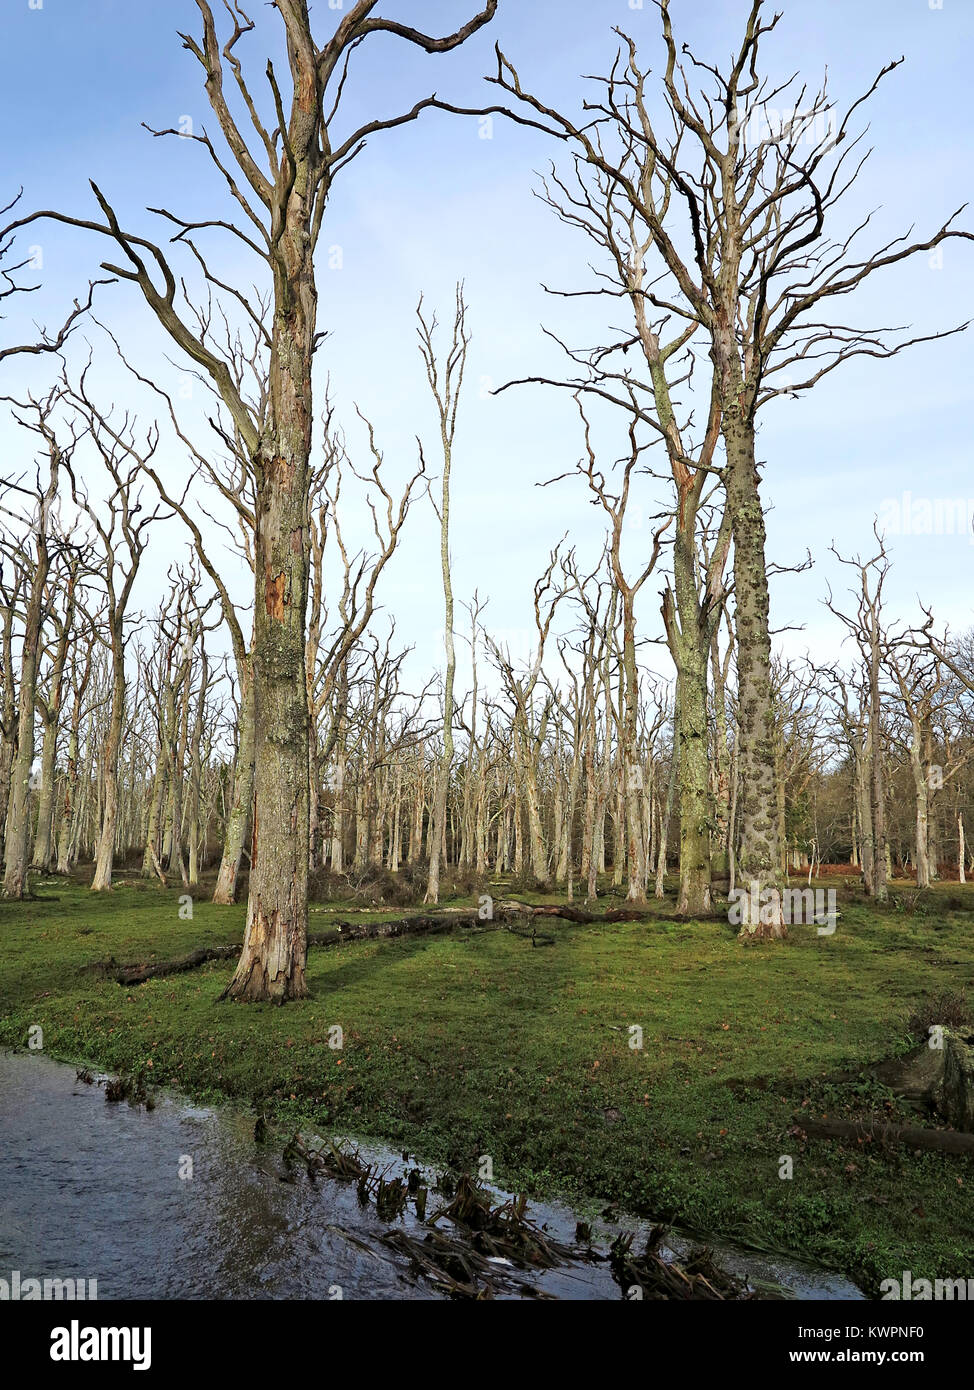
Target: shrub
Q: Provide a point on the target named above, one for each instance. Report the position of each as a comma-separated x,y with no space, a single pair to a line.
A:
527,883
949,1008
326,886
462,882
376,886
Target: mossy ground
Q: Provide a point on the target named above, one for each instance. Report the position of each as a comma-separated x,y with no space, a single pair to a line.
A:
471,1044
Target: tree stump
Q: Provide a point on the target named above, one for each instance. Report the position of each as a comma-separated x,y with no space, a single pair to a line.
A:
957,1087
938,1075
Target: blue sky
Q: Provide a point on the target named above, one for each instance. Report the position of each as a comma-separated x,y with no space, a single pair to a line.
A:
433,202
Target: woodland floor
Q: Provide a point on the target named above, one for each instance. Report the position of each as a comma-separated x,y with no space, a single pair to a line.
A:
478,1043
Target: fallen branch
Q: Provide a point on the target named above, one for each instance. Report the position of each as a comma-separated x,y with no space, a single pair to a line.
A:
613,914
138,973
949,1141
427,924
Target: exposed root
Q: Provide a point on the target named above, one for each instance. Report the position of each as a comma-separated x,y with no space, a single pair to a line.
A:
130,1088
453,1267
494,1249
503,1231
649,1276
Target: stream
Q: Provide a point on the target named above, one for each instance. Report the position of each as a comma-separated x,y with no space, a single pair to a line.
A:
103,1191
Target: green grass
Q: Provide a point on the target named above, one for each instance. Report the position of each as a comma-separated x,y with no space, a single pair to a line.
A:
465,1045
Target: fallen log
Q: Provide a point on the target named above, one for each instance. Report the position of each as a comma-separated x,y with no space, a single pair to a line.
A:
949,1141
578,915
138,974
583,918
426,924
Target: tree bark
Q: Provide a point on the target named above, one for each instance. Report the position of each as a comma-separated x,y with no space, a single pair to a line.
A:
239,819
18,808
759,855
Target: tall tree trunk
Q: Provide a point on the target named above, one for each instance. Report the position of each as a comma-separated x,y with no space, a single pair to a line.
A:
759,857
632,769
42,856
241,809
18,807
961,878
696,810
667,811
272,963
67,838
920,785
105,852
877,778
445,389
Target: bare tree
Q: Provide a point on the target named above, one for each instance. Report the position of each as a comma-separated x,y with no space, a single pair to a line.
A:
287,172
446,384
761,272
866,629
121,526
49,700
528,724
37,568
615,505
13,577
